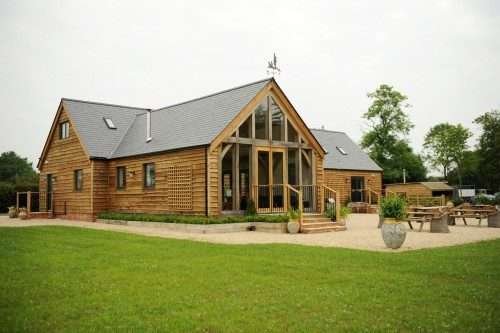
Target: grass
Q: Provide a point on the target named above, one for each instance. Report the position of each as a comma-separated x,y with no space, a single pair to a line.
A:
69,279
192,219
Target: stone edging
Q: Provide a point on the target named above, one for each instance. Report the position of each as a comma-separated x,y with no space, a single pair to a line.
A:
204,228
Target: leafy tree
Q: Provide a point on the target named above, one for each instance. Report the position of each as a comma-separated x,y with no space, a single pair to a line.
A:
445,145
489,149
469,171
385,141
16,175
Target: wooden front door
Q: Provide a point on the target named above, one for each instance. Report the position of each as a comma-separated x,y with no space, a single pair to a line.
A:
271,179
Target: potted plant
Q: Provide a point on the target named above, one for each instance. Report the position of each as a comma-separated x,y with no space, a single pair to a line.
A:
23,213
293,226
393,210
330,209
344,214
12,212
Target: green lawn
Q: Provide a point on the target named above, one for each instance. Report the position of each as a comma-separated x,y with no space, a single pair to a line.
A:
69,279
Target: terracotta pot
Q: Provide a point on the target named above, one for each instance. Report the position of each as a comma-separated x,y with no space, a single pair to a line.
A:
393,233
23,213
12,212
293,227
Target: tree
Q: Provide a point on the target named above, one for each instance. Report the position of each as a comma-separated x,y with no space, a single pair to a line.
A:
385,141
489,149
445,145
16,175
469,172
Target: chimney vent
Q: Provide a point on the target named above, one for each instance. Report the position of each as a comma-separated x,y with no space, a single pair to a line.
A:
148,126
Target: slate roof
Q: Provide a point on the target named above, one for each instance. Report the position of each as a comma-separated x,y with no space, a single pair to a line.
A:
356,159
192,123
437,186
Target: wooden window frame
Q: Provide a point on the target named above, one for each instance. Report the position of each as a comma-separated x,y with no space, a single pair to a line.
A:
118,186
145,175
77,186
64,134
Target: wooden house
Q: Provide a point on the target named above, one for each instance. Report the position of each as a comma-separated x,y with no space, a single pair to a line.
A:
422,192
211,155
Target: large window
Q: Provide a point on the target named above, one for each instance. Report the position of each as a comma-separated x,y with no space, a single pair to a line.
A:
278,121
64,130
121,180
261,121
292,133
246,128
149,175
78,180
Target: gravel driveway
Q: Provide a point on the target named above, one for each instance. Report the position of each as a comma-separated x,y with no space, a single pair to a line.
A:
361,233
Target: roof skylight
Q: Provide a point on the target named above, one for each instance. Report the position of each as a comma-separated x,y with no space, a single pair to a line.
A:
341,150
109,123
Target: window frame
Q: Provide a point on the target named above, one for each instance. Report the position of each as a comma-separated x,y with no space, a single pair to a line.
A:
145,176
78,182
64,130
109,122
118,170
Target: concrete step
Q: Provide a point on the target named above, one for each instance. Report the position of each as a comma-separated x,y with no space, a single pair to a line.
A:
317,224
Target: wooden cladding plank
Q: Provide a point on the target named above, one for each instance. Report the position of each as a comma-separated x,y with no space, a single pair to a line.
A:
340,181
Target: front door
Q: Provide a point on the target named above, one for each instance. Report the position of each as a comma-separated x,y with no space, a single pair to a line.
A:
357,188
270,189
48,203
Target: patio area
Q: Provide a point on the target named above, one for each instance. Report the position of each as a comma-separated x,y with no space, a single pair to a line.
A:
362,233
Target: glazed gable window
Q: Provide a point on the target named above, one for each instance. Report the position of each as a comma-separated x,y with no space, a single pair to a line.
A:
149,175
78,180
64,130
121,181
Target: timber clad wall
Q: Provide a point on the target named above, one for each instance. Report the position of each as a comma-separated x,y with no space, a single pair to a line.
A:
213,181
179,187
100,186
62,159
340,180
410,189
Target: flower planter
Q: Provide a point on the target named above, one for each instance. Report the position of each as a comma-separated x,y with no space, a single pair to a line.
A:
293,227
393,233
23,213
12,212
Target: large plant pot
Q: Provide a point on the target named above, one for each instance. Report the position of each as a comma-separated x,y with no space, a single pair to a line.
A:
12,212
393,233
293,227
23,213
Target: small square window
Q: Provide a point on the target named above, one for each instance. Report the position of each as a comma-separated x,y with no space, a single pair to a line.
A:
64,130
109,123
78,180
121,180
149,175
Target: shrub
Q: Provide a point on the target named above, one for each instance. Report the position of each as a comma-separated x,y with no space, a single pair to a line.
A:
251,210
393,207
344,212
497,198
192,219
293,214
457,201
484,200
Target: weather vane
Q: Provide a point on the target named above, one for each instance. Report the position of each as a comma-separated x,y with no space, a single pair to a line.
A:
272,66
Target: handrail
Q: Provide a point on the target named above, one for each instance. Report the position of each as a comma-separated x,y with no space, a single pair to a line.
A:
337,199
301,203
387,193
370,191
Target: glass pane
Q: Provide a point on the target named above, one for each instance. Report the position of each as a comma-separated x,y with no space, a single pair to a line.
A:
293,166
306,167
357,186
278,122
263,177
277,168
261,121
292,133
227,180
246,128
244,175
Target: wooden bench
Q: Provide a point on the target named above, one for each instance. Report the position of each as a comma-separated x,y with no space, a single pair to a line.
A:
471,213
436,216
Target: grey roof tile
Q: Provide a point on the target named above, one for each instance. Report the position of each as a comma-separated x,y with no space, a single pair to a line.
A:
87,117
356,158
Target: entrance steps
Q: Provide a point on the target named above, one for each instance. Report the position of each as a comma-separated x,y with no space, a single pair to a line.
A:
316,223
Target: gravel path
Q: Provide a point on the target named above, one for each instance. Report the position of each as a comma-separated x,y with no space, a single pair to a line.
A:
361,233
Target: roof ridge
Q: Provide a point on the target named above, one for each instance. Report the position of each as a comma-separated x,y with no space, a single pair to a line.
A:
325,130
101,103
212,94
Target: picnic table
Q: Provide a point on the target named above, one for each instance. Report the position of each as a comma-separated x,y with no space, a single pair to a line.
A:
478,212
437,216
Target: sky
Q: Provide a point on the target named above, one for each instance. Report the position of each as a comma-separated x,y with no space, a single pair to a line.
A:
444,55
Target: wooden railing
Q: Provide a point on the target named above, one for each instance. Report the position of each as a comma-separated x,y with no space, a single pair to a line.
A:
270,198
290,190
329,193
35,202
420,200
373,197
